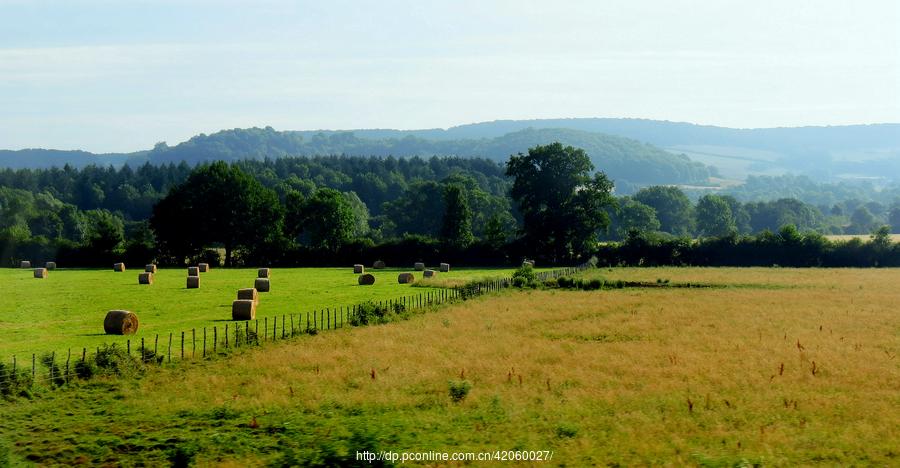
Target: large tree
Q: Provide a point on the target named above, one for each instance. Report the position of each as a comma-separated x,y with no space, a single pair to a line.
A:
714,217
673,208
327,219
218,204
633,215
563,205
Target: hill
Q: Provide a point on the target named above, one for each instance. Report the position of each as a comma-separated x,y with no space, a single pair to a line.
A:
627,161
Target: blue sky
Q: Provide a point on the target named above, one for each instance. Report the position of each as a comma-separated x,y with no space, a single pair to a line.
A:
121,76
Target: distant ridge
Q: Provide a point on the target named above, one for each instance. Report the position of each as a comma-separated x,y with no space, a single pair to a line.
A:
628,149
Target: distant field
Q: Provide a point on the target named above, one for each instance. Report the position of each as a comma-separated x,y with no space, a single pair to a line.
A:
780,367
863,237
66,310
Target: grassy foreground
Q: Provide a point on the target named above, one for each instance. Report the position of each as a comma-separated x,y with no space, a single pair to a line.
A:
786,367
66,310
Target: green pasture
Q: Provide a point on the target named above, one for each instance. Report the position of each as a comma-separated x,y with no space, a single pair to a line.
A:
66,310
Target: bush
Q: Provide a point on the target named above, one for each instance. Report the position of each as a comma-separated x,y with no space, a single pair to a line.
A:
371,313
113,360
14,384
523,276
85,369
55,375
459,389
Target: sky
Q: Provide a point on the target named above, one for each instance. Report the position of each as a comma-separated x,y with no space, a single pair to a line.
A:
118,76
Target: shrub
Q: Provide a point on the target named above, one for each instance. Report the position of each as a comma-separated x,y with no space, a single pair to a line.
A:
370,313
55,376
14,384
459,389
523,276
85,369
112,359
551,283
594,284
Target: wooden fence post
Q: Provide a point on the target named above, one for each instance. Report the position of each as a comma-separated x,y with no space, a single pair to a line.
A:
182,346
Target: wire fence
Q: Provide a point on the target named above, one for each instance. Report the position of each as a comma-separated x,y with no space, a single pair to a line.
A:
207,342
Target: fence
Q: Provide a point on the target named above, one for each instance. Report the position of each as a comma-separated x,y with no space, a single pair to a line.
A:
211,341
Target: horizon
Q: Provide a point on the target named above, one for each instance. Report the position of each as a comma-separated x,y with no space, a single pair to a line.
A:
109,77
169,143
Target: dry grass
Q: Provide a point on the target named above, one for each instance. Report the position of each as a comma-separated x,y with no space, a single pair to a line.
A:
679,376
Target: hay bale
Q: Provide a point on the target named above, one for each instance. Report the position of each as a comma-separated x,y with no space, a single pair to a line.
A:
404,278
445,267
120,267
40,273
120,322
151,268
261,284
264,273
419,266
193,282
378,265
359,269
248,294
145,278
243,309
50,265
429,274
25,264
204,267
366,279
193,271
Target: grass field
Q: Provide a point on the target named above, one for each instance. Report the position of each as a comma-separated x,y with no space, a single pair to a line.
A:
66,310
781,367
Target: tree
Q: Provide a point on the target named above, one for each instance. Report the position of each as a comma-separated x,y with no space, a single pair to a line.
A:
673,208
633,215
327,219
105,231
218,204
562,205
456,225
861,221
714,218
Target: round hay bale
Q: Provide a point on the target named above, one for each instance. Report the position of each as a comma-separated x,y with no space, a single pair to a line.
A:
261,284
193,282
25,264
193,271
151,268
40,273
243,309
359,269
145,278
378,265
120,322
204,267
366,279
264,273
120,267
50,265
404,278
429,273
445,267
419,266
248,294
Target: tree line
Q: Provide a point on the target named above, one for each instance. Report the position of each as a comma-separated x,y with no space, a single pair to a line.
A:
548,203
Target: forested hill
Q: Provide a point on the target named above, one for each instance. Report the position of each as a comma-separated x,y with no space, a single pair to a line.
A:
626,161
